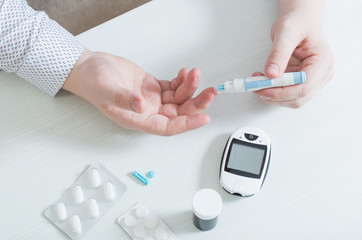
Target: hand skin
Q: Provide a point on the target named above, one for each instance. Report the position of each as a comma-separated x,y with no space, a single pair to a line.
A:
136,100
298,45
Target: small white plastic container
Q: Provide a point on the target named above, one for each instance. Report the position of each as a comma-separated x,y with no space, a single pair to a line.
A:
206,206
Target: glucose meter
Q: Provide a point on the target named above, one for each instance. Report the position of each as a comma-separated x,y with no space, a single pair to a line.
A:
245,161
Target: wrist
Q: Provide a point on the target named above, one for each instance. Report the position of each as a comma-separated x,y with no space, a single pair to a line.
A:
72,83
308,13
302,19
307,7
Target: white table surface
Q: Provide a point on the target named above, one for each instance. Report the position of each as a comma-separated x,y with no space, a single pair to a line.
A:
313,189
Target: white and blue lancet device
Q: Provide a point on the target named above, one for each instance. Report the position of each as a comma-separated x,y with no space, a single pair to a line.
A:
249,84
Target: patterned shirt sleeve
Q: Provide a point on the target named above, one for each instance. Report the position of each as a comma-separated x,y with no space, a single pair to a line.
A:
35,47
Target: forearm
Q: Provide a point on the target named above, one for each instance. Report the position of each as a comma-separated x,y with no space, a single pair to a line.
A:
35,47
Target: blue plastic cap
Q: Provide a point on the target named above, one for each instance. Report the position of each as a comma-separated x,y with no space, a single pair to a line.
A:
151,174
299,77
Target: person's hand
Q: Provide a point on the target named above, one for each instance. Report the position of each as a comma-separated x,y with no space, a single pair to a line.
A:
298,45
137,100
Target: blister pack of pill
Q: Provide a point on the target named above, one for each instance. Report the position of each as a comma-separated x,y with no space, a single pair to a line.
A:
140,223
94,192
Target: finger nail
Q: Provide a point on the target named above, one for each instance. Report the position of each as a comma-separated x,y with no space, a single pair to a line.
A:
134,106
273,69
264,97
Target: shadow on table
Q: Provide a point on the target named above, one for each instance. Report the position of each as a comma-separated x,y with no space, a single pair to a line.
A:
65,120
209,174
181,223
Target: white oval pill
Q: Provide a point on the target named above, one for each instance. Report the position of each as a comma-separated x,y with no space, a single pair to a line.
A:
129,221
142,211
76,225
95,178
150,222
60,211
93,209
78,195
160,233
109,191
139,231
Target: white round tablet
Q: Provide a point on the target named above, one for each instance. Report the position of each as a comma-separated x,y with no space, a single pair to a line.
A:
142,211
139,231
129,221
160,233
151,222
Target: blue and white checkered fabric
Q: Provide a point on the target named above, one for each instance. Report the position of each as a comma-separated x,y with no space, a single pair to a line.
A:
35,47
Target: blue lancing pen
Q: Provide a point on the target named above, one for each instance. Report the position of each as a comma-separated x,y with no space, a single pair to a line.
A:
248,84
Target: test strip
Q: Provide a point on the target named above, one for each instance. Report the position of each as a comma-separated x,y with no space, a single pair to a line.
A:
248,84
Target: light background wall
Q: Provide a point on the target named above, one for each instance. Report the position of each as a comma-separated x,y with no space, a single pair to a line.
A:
78,16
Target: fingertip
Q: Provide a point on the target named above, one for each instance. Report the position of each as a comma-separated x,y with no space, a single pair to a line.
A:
265,98
184,70
211,91
264,94
193,78
207,118
204,99
183,73
197,72
272,70
257,74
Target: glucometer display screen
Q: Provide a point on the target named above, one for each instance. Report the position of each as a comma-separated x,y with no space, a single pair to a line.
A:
245,159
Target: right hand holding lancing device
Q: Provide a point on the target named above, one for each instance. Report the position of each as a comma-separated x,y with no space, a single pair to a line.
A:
298,45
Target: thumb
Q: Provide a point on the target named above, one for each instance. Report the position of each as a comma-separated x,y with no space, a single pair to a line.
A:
284,44
125,99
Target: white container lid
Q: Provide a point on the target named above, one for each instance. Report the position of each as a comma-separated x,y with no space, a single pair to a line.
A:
207,204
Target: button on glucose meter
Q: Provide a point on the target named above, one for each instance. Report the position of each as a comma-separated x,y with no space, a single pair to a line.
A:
251,137
245,162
